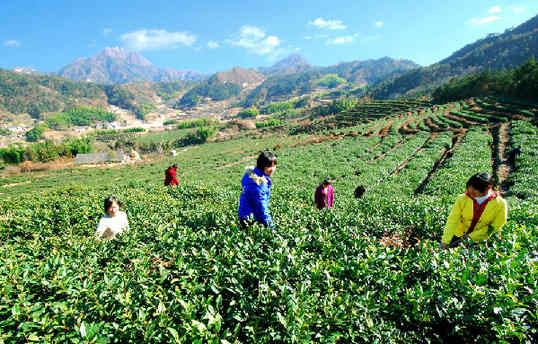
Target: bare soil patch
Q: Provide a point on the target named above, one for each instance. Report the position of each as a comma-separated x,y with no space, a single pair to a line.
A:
401,240
431,125
501,165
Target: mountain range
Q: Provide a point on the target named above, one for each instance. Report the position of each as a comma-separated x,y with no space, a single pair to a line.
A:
278,87
25,90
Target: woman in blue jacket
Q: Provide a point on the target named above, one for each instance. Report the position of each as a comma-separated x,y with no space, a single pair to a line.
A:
256,185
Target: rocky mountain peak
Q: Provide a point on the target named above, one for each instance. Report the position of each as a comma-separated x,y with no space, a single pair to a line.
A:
131,58
115,65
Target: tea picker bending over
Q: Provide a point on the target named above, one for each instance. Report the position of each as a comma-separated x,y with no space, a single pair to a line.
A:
256,192
478,213
170,176
114,222
324,195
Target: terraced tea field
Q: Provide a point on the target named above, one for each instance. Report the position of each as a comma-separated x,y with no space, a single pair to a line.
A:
369,270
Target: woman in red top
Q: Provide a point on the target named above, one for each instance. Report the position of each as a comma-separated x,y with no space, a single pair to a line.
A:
170,176
324,195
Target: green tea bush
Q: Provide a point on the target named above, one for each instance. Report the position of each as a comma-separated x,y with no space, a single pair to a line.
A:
186,272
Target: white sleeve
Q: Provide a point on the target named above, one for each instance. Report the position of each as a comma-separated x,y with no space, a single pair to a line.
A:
100,228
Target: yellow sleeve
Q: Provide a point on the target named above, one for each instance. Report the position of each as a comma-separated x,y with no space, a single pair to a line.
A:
500,218
452,222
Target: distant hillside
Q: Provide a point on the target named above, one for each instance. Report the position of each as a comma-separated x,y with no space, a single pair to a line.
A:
495,52
118,66
22,93
294,63
239,76
360,73
40,94
213,89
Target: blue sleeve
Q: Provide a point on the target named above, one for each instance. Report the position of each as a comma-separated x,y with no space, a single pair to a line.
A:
260,204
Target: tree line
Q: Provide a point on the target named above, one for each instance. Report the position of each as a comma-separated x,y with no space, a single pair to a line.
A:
519,82
45,151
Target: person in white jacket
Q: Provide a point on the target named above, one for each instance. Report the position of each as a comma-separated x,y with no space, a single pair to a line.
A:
114,222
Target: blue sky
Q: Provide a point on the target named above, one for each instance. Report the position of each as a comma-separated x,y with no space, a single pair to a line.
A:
211,35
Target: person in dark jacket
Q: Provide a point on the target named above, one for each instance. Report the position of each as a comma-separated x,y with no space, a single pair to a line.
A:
170,176
256,192
324,195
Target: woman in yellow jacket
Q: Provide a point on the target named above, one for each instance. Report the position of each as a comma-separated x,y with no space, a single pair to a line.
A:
478,213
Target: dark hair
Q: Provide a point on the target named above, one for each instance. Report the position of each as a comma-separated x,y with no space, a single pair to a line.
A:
174,165
480,181
109,201
327,181
265,159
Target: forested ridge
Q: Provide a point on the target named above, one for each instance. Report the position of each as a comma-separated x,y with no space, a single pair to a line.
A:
494,52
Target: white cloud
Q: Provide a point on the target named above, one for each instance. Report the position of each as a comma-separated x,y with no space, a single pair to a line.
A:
485,20
379,24
328,24
107,31
12,43
156,39
213,45
518,10
256,41
340,40
308,38
495,9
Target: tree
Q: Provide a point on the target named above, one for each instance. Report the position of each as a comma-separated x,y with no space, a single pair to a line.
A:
36,133
251,112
